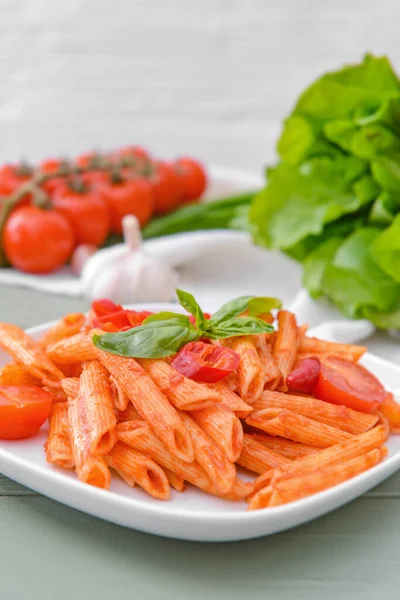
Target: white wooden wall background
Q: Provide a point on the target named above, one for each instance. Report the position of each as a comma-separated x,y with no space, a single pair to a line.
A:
208,77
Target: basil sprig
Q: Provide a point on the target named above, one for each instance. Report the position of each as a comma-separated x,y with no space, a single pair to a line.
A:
165,333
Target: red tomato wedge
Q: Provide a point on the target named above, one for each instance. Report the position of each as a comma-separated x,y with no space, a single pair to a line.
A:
343,382
304,376
136,318
205,363
23,410
104,306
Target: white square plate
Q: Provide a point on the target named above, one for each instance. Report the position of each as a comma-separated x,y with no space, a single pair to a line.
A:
192,515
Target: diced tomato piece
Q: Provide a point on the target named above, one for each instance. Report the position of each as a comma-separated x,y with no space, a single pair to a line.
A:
204,362
119,319
344,382
192,319
105,307
23,410
304,376
136,318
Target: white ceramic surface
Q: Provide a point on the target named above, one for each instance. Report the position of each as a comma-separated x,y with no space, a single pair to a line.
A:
192,515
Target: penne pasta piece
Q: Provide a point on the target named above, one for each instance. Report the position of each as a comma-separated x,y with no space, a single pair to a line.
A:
286,344
57,393
17,374
221,425
312,345
261,499
58,446
286,448
150,403
120,399
232,381
182,392
230,399
175,481
135,467
357,445
240,489
250,370
297,488
74,349
66,327
70,385
129,414
258,458
90,469
210,457
95,398
285,423
270,368
335,415
382,420
17,344
391,411
138,435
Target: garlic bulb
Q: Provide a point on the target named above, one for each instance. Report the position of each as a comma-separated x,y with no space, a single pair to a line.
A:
126,274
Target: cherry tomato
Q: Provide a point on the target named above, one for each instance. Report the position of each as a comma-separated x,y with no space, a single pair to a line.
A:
23,410
36,240
86,212
12,176
166,185
193,178
343,382
89,159
304,376
130,197
205,363
135,156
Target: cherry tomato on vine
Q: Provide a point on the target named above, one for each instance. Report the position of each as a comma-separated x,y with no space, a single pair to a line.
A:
23,410
167,188
193,178
128,197
136,156
36,240
85,209
343,382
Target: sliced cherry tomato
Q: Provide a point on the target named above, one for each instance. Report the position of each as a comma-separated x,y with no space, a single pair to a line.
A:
85,209
129,197
36,240
343,382
193,178
136,318
104,306
204,362
167,188
304,376
118,319
23,410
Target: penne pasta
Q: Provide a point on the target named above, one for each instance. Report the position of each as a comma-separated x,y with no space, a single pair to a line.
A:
285,423
96,402
58,446
69,325
17,344
286,345
391,411
335,415
182,392
230,399
286,448
71,350
357,445
150,403
175,481
120,399
135,467
270,368
261,499
232,381
240,489
258,458
129,414
70,385
313,346
250,370
210,457
138,435
17,374
296,488
221,425
57,394
90,469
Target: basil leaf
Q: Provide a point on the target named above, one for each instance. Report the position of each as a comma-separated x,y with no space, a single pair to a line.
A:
190,304
231,309
151,340
262,304
165,316
238,326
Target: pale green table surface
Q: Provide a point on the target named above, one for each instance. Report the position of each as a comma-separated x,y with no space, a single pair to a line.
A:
49,551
